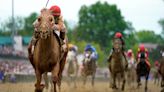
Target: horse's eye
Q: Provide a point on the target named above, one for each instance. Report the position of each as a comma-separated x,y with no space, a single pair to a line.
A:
51,19
39,19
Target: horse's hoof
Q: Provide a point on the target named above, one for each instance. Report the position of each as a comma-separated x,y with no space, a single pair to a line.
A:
139,84
38,90
162,90
122,89
114,87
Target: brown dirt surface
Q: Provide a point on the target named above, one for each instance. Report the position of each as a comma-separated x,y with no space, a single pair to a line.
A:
100,86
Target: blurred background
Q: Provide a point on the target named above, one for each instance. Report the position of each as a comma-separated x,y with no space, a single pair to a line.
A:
87,21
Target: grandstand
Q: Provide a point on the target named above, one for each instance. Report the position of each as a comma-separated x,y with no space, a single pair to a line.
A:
7,50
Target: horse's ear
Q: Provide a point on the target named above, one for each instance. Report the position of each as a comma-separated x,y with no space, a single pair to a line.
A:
43,10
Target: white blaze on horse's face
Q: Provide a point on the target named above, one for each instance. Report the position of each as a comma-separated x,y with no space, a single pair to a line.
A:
46,22
117,45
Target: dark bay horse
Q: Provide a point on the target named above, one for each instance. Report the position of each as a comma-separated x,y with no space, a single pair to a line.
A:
142,70
89,68
117,64
47,55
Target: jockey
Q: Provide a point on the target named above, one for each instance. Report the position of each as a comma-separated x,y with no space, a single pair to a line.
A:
72,47
156,65
129,53
141,50
118,35
59,28
130,56
89,48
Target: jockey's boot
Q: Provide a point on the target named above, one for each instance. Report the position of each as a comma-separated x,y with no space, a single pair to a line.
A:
63,41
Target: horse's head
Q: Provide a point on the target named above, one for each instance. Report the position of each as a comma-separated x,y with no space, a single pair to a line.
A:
46,22
87,57
117,45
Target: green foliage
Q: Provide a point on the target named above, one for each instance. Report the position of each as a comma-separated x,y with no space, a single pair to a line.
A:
161,22
28,24
7,26
99,22
147,36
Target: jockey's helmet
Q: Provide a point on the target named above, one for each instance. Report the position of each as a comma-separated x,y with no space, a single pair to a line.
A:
142,47
129,54
156,63
56,11
70,45
118,35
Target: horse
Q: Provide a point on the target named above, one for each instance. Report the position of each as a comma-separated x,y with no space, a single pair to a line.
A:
47,55
71,67
161,71
89,67
131,72
117,65
156,75
142,70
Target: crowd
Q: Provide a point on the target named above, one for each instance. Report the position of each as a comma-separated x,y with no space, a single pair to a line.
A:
17,67
9,51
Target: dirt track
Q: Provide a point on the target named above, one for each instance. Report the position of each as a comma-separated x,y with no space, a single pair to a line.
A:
99,87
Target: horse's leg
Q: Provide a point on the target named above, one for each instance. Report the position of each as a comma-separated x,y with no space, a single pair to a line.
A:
123,83
110,81
55,77
93,78
38,86
162,81
138,80
146,77
93,71
68,79
52,86
84,79
114,82
59,85
45,77
74,81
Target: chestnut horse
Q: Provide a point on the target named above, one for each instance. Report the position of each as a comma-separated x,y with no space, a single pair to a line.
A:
47,56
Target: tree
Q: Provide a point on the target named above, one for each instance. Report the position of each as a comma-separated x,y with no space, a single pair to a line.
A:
99,22
7,25
161,22
28,27
148,36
